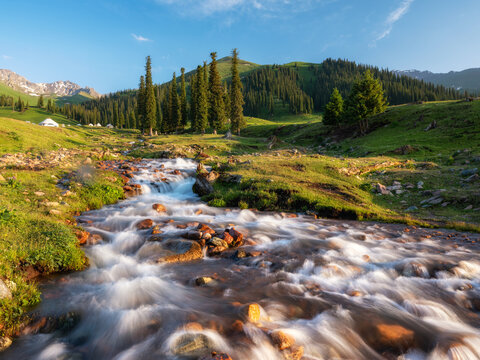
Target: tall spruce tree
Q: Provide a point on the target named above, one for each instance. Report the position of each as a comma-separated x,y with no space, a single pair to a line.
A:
367,98
40,103
216,110
132,121
141,105
174,110
183,99
201,111
193,97
236,97
150,103
334,109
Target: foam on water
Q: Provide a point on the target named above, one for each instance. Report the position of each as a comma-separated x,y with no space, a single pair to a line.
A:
326,283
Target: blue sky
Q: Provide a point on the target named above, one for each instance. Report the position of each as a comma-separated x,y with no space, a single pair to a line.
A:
103,43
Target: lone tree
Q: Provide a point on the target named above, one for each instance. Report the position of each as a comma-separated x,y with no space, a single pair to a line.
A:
236,97
215,96
150,102
334,109
367,98
40,103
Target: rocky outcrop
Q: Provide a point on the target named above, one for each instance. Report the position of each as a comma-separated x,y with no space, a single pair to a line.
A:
205,179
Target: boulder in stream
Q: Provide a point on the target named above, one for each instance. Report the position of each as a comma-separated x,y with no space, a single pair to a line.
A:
192,345
159,208
193,253
144,224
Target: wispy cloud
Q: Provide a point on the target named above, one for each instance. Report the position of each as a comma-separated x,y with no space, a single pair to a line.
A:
140,38
6,57
210,7
393,17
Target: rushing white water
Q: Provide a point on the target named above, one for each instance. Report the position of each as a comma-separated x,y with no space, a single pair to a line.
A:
329,284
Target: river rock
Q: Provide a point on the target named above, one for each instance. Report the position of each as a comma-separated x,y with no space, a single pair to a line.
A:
252,312
293,353
237,237
202,186
282,340
5,292
195,252
82,236
159,208
382,189
389,336
5,343
203,280
205,229
218,242
192,345
228,238
144,224
193,235
216,356
156,230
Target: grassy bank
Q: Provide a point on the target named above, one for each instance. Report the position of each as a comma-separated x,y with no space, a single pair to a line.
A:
37,225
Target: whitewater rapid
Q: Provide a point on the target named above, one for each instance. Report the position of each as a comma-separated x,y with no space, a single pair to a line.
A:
330,285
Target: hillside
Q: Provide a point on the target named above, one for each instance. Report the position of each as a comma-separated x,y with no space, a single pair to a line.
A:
468,79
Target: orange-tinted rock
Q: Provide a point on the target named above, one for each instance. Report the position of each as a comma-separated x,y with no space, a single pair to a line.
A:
206,229
159,208
193,326
252,312
237,326
237,237
392,336
181,226
144,224
293,353
195,252
82,236
282,340
156,230
228,238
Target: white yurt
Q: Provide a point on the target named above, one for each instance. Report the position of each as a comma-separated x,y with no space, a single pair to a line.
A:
110,126
90,124
48,122
98,125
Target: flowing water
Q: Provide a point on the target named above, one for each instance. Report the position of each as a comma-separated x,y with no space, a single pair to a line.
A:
342,290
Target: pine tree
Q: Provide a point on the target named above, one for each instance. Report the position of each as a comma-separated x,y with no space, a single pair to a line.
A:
40,102
183,99
236,97
141,105
201,110
334,109
174,110
194,97
367,98
215,96
150,103
132,120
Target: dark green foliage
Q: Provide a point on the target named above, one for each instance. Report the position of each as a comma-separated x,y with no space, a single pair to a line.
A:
334,109
141,104
367,98
216,107
201,102
40,103
150,102
173,106
183,99
236,97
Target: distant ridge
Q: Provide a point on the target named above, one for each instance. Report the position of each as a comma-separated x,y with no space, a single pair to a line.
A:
468,79
58,88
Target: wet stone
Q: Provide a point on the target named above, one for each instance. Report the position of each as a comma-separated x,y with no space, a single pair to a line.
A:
192,344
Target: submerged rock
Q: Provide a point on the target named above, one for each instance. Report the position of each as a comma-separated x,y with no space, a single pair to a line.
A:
192,345
144,224
195,252
159,208
282,340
